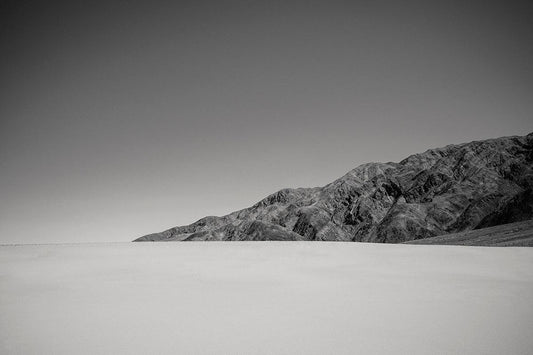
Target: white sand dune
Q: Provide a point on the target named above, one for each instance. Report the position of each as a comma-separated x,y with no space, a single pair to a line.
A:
265,298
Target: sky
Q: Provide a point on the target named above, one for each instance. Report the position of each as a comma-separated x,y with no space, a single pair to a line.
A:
122,118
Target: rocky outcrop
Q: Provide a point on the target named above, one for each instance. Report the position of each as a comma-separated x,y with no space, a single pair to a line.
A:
446,190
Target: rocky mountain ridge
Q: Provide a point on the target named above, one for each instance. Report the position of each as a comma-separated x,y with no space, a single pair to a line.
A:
445,190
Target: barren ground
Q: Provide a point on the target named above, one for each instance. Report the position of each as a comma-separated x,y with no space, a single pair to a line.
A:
265,298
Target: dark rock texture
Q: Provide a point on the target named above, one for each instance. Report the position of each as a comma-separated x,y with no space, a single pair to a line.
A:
446,190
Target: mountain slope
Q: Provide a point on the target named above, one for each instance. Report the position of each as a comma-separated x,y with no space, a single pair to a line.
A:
446,190
519,234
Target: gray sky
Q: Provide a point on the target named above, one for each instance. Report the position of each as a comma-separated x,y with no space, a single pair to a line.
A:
124,118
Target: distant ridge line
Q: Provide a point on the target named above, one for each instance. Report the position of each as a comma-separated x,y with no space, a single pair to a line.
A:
453,189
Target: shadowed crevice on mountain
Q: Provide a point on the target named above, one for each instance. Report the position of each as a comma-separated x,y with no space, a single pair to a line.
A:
445,190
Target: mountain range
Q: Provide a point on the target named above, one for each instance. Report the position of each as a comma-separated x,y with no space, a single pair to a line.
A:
457,188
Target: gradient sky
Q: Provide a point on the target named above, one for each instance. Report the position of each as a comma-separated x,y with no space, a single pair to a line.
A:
121,118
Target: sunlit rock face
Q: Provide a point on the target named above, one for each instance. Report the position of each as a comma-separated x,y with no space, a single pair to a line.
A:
446,190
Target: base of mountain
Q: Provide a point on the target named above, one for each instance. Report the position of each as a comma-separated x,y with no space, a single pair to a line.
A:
518,234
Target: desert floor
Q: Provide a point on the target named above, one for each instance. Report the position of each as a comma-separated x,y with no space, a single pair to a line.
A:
265,298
